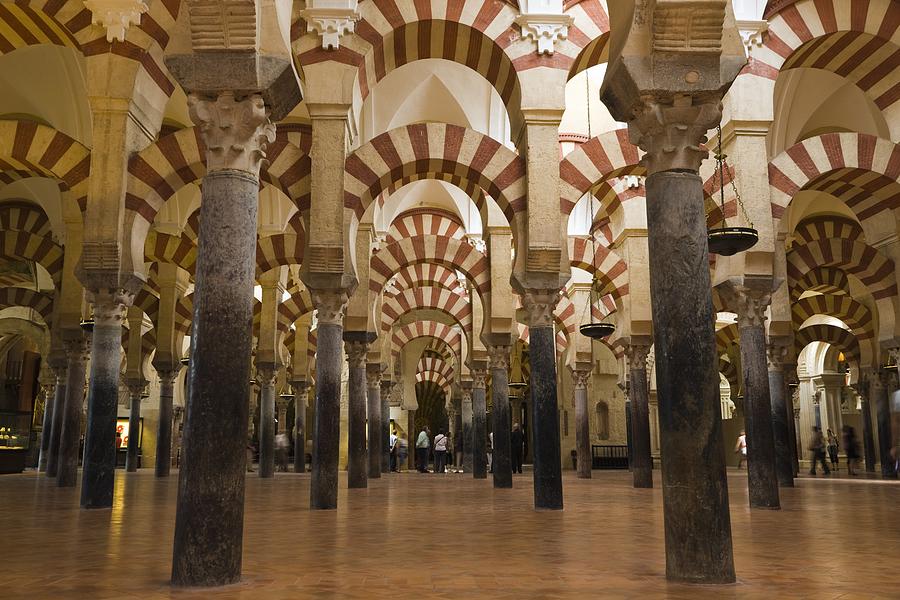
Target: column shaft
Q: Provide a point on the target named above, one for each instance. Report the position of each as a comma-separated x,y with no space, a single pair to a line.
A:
642,460
357,460
327,429
629,439
883,421
167,377
468,461
868,436
501,461
695,489
70,434
548,491
266,379
373,410
209,521
46,427
301,393
582,432
479,427
784,462
134,428
384,398
59,410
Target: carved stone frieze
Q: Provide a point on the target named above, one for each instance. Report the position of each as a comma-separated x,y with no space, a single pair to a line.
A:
235,131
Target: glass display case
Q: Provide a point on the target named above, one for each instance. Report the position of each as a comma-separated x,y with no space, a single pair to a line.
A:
15,430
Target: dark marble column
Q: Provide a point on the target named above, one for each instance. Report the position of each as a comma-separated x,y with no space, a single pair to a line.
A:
411,461
880,399
868,441
356,348
167,374
501,461
265,377
580,379
781,414
373,411
751,306
59,404
791,400
301,397
77,352
629,442
209,520
548,491
695,488
642,460
468,461
135,391
330,306
98,476
479,424
49,393
384,398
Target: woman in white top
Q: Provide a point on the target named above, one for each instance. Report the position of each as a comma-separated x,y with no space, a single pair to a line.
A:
440,452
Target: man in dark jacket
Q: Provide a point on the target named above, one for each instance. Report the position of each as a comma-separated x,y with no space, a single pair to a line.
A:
517,441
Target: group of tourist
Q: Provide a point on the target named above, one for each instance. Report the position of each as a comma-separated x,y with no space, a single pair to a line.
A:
819,445
446,454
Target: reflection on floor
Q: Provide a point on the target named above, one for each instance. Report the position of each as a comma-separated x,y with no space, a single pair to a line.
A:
429,536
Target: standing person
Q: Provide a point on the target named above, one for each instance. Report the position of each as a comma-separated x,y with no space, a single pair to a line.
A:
490,452
440,452
392,447
851,448
402,451
832,449
281,450
817,448
422,446
458,452
517,441
740,448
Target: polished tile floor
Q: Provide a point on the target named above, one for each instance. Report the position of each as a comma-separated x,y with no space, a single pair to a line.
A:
426,536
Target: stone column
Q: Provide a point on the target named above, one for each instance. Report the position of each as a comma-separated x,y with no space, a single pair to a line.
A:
209,520
98,476
59,410
580,378
628,424
879,394
281,406
781,414
790,399
373,411
385,395
502,452
695,488
642,460
265,377
357,461
467,428
48,392
750,306
479,424
167,374
548,491
135,390
301,394
330,306
77,352
868,441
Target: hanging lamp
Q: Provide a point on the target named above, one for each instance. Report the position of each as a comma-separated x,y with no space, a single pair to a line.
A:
87,325
517,385
725,240
601,329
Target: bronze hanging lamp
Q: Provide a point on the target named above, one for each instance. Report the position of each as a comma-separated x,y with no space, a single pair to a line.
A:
601,329
725,240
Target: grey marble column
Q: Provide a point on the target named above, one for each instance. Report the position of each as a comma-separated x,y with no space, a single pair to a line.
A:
301,396
209,519
330,306
501,462
265,377
373,412
98,475
59,404
167,374
880,399
468,461
750,306
868,437
580,378
629,442
49,393
548,491
357,460
384,398
781,413
479,424
135,391
77,352
695,488
791,400
641,459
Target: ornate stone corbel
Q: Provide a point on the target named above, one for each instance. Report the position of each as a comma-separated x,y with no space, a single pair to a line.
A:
115,16
330,23
752,33
544,29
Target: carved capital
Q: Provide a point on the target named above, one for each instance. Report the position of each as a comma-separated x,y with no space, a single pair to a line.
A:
356,354
776,354
236,132
538,307
637,355
167,373
479,379
544,29
671,131
750,306
266,374
498,357
386,388
373,375
136,387
330,305
330,24
110,306
580,378
115,16
78,349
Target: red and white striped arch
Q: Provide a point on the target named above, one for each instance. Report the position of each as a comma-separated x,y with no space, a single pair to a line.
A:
39,302
828,227
824,280
24,216
434,151
298,304
606,264
856,258
21,245
439,379
837,336
454,305
438,365
603,157
428,274
855,315
447,335
164,248
426,221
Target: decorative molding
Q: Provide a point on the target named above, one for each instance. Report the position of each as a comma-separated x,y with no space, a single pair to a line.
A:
223,24
116,16
330,24
236,132
110,306
544,29
693,27
752,34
